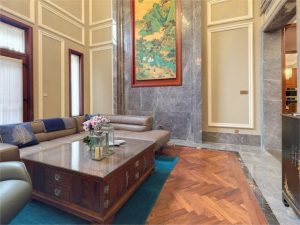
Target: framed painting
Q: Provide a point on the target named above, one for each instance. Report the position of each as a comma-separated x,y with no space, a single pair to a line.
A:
156,43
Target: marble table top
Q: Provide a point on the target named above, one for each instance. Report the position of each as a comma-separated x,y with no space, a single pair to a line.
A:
75,156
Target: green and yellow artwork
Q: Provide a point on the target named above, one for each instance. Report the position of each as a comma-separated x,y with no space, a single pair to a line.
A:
155,39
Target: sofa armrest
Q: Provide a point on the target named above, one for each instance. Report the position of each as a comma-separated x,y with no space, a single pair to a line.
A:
14,171
9,153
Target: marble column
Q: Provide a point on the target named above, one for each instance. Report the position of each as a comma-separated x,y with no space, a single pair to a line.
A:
271,89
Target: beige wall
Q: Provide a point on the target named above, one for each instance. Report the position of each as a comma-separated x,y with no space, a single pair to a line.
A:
100,42
55,31
231,41
81,25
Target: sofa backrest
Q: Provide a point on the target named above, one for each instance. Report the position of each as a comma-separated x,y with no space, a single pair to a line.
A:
122,122
131,123
42,135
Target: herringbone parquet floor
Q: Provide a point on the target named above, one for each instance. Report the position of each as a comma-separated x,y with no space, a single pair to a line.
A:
206,187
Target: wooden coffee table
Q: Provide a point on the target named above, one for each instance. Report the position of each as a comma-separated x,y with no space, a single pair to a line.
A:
66,178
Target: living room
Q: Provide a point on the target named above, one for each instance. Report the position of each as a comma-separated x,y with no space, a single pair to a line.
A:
149,112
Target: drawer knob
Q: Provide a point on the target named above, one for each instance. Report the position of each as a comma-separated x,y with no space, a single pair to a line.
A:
127,179
106,189
137,175
145,163
57,177
106,204
57,192
137,163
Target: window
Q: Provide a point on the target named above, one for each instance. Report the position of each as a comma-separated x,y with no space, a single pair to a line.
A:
12,38
11,104
76,83
16,80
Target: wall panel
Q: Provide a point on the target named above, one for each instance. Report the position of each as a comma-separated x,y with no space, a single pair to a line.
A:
220,11
57,22
74,8
101,35
101,80
51,75
230,76
23,9
100,11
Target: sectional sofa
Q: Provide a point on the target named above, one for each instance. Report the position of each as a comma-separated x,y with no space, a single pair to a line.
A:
15,183
133,127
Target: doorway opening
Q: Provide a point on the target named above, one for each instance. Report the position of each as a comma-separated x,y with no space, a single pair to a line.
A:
289,68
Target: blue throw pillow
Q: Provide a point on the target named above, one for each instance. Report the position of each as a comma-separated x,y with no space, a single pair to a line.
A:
18,134
54,124
90,116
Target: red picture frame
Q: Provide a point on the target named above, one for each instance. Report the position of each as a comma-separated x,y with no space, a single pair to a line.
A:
159,82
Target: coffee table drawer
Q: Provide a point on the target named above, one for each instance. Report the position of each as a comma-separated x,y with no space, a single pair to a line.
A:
56,177
58,192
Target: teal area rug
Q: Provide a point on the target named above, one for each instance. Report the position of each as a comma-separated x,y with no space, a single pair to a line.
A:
135,211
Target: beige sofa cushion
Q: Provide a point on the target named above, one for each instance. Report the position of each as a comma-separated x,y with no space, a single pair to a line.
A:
60,133
39,130
69,122
42,137
38,127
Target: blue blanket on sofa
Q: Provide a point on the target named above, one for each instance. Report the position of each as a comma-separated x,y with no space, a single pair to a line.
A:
54,124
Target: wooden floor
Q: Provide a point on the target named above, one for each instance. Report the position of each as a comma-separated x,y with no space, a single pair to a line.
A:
206,187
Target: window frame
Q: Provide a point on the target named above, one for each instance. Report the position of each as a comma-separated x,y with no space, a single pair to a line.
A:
27,59
81,81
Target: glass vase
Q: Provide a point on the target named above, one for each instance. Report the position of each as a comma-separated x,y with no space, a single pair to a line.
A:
108,131
98,145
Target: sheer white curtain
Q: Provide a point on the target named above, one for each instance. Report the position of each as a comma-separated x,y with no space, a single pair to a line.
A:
75,84
11,96
12,38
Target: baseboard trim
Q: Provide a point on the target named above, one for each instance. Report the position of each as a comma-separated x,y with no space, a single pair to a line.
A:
228,138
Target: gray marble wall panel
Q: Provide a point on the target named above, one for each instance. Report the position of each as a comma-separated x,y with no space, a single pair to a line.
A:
271,89
236,139
177,109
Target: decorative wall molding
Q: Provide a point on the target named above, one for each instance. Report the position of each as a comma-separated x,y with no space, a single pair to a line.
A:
92,50
109,20
239,18
250,123
80,20
264,4
272,11
42,6
99,28
91,23
42,33
30,19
